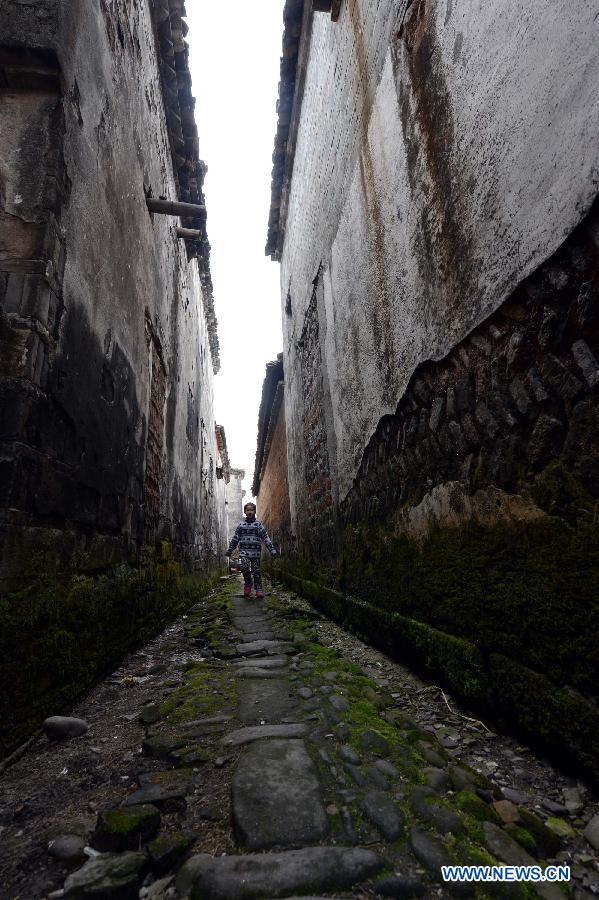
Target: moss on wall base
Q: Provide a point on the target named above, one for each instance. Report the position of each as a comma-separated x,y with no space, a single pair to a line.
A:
58,638
506,617
527,590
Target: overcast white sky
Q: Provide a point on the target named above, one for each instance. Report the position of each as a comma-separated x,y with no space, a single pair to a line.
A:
234,56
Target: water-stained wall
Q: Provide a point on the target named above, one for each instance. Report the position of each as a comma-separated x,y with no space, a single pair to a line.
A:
443,151
108,341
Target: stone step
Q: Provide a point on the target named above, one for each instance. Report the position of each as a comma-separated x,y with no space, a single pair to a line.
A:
276,874
211,720
252,648
247,625
250,636
244,604
260,732
269,674
276,797
263,700
272,662
251,615
167,797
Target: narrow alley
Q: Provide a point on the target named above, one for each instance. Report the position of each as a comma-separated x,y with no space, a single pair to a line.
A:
299,449
281,756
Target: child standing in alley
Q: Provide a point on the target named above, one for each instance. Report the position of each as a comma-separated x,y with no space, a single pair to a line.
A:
249,536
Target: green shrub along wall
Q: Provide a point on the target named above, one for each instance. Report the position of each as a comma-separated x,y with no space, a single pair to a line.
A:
58,638
530,592
506,617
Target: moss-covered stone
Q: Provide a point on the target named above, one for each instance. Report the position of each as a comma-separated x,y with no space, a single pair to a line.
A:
471,805
546,842
467,854
524,838
107,876
149,714
168,851
436,812
560,827
206,691
163,744
417,735
125,828
190,755
465,778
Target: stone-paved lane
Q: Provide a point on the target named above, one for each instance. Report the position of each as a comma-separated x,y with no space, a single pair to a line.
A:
256,761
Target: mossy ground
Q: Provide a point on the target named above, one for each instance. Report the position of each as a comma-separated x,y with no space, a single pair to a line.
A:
205,693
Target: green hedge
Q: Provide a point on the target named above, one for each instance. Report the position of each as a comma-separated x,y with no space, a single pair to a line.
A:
529,591
58,638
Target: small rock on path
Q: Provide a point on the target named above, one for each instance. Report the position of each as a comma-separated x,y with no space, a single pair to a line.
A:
61,728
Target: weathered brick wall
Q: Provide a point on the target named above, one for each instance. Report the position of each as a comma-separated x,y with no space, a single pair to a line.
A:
273,497
518,396
106,327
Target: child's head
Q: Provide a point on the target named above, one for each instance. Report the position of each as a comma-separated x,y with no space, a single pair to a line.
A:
250,510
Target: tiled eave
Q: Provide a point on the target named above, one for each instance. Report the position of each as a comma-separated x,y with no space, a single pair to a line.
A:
189,169
290,87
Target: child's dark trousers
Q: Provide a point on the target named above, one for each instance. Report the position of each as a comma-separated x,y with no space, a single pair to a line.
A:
250,569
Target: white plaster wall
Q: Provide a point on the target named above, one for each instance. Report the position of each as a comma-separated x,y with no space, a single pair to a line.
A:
424,230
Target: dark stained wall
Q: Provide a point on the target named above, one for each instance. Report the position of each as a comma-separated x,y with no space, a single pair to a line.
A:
108,345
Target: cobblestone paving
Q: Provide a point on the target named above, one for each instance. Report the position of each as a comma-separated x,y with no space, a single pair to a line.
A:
271,765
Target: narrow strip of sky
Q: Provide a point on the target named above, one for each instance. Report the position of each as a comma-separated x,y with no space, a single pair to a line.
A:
234,59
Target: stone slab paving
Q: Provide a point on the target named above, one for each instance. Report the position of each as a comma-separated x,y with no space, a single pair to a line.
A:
253,636
277,796
334,789
273,662
253,648
276,874
247,735
263,701
257,673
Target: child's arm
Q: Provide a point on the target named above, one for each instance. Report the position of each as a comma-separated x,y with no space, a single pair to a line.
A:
234,540
263,535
